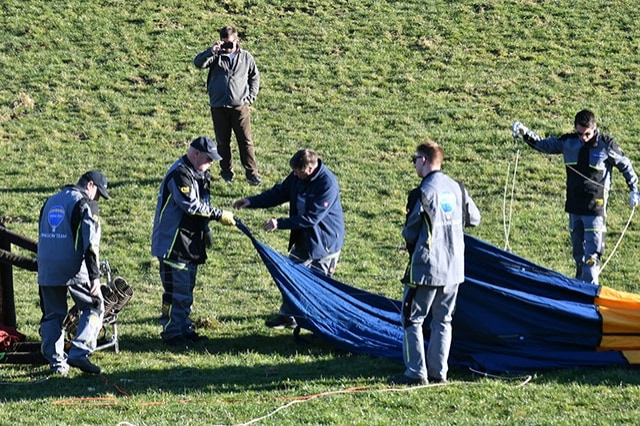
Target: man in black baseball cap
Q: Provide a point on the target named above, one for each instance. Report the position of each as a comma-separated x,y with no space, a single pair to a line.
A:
69,264
181,235
207,145
98,179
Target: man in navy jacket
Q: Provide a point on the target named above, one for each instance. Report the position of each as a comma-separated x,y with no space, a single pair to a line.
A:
315,217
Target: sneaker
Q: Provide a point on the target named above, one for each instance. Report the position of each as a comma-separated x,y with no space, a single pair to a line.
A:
401,379
436,380
60,370
195,337
178,342
254,180
84,365
227,176
281,321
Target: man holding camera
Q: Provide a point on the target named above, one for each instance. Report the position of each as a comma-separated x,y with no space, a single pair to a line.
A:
233,83
181,235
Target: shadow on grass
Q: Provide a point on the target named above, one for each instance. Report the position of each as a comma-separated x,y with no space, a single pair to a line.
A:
263,361
115,183
146,366
597,376
279,343
271,362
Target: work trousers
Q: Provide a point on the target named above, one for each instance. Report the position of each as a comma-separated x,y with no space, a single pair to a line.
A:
237,119
587,239
417,303
178,281
53,303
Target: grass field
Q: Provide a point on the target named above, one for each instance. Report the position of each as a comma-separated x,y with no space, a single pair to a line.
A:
111,85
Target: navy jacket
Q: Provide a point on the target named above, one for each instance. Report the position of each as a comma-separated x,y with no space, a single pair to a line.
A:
315,217
182,214
68,239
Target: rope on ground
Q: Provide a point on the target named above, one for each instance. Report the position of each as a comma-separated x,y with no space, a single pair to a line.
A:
30,382
33,378
633,209
95,401
506,221
524,379
110,401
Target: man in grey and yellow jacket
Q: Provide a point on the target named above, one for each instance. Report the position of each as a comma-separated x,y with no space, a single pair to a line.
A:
181,235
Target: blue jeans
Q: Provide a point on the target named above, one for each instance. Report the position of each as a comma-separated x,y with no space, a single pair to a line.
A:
587,239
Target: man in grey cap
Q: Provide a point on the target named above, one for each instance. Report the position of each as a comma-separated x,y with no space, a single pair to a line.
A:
181,236
68,259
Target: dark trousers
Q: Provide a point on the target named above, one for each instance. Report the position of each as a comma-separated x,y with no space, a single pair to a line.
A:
178,282
237,119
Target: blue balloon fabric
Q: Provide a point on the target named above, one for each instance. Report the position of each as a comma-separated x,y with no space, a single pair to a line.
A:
512,315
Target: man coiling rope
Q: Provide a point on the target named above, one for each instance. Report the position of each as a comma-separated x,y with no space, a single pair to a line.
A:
589,158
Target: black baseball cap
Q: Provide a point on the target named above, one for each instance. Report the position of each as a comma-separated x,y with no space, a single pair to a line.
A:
98,180
207,145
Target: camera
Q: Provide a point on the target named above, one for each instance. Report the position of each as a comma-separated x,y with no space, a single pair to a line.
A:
227,46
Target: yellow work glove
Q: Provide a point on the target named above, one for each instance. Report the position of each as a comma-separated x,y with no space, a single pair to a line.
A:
227,218
208,240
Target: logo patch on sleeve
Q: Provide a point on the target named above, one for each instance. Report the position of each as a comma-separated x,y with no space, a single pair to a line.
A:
185,189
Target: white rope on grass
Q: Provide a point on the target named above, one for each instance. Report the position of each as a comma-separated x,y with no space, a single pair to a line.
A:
615,247
506,222
258,419
524,380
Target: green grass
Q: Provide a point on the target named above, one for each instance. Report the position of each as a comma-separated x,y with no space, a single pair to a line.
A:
111,85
